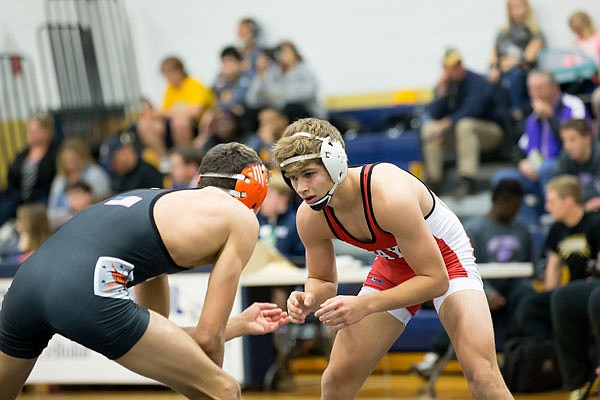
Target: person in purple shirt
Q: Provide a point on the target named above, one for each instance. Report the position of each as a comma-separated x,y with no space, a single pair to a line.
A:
540,143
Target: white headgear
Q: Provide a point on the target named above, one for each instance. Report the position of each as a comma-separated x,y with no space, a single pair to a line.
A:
334,158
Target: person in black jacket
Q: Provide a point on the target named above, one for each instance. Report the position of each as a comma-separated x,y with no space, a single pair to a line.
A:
129,171
31,173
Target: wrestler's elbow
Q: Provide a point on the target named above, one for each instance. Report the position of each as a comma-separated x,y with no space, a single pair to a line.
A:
441,283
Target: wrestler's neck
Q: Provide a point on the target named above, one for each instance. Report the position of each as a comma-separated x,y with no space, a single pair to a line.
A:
347,192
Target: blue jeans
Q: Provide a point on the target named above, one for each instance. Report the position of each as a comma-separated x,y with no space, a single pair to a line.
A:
530,213
514,81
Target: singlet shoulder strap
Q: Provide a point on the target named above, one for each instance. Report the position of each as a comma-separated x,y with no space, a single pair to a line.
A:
365,184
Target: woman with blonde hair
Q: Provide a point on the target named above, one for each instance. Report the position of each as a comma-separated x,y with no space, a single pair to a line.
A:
588,41
33,229
74,163
30,174
515,52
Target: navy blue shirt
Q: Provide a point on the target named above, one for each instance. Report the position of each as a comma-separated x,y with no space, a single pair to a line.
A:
473,97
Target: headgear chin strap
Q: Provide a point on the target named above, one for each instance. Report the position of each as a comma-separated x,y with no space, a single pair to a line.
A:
251,186
333,156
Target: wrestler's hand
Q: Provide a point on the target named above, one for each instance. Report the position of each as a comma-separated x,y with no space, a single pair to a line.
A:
299,305
341,311
261,318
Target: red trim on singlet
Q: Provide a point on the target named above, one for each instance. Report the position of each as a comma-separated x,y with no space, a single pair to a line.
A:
379,238
386,273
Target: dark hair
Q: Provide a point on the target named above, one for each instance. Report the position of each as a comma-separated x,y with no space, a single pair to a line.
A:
173,63
80,185
291,46
251,22
189,154
226,158
231,51
507,189
579,125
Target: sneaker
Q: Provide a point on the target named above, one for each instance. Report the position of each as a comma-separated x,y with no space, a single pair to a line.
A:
589,388
423,369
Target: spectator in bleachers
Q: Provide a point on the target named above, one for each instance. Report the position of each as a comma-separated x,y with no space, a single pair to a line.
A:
248,35
515,52
121,154
284,81
81,196
225,128
465,107
576,322
277,219
496,237
74,163
32,226
569,243
230,89
31,173
176,121
185,163
588,40
540,143
271,124
581,157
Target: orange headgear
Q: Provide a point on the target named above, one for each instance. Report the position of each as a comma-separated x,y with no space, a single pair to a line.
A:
251,186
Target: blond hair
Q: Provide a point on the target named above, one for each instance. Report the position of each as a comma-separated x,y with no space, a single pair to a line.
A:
566,186
291,146
33,221
583,20
530,21
79,147
45,120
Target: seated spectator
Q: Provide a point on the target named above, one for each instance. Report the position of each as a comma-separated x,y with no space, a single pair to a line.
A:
570,242
576,323
287,84
81,196
496,237
184,101
225,128
588,40
248,35
464,106
31,230
540,143
185,164
271,124
230,90
515,52
128,171
31,173
277,219
581,157
74,164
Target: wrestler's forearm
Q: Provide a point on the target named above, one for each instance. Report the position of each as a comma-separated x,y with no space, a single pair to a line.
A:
321,289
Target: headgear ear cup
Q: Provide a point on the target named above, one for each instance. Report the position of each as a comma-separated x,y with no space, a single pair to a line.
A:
253,189
251,186
333,157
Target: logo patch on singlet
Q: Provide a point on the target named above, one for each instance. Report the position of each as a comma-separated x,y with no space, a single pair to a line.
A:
111,276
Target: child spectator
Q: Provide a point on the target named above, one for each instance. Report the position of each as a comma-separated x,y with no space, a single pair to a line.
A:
74,164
